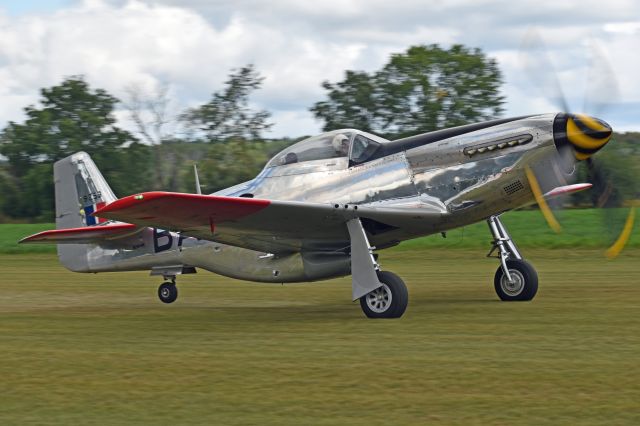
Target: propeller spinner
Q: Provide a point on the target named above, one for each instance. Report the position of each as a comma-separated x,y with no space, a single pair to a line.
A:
584,134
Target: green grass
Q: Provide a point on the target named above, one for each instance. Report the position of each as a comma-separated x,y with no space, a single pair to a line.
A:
100,349
584,228
10,234
581,229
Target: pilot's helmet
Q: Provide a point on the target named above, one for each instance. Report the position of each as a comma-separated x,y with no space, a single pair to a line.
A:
341,143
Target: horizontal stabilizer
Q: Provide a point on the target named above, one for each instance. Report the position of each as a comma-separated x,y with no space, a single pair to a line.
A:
567,189
84,235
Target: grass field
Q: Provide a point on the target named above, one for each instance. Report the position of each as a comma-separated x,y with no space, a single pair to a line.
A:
101,349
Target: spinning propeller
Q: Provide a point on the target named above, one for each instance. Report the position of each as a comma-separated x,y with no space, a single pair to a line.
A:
577,136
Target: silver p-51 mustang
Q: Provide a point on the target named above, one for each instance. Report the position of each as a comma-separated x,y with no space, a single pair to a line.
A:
320,208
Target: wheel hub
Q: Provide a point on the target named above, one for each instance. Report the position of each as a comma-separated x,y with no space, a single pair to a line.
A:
515,286
379,300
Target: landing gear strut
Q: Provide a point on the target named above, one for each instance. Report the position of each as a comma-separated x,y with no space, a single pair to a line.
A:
168,292
382,294
515,279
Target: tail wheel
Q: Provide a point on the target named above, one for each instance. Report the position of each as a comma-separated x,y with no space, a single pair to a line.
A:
388,301
167,292
523,284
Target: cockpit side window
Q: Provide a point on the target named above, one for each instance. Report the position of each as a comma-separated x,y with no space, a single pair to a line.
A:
362,149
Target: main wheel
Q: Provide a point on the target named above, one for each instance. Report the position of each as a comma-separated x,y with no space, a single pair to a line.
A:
168,292
524,285
388,301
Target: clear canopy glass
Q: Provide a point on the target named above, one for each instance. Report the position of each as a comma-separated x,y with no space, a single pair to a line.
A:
334,144
326,145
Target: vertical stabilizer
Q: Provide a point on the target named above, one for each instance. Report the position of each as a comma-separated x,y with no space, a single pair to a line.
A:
80,190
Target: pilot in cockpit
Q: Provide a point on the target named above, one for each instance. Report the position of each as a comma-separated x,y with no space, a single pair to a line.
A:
341,144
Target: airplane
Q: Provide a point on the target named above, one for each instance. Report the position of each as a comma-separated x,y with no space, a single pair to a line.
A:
325,206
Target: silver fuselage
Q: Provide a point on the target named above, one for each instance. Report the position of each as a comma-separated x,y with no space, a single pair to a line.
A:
466,178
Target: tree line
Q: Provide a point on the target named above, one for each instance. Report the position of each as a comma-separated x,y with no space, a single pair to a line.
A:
422,89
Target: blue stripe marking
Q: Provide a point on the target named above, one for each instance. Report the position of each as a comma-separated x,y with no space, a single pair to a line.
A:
87,215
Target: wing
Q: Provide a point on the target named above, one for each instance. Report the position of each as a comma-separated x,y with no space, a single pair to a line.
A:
84,235
258,224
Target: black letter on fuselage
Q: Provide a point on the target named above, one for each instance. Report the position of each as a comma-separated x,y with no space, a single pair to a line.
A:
157,246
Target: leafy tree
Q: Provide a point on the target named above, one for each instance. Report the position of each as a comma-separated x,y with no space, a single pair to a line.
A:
227,119
352,103
426,88
224,164
227,115
8,193
72,117
614,174
176,156
234,162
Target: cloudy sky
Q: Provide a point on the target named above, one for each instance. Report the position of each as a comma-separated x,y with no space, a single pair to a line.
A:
190,46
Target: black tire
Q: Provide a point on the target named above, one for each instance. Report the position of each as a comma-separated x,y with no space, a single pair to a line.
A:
167,292
525,284
394,287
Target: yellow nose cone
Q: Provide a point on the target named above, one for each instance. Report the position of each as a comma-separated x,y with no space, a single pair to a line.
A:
587,135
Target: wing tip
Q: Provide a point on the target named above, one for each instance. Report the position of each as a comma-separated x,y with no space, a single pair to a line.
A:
51,235
35,238
28,239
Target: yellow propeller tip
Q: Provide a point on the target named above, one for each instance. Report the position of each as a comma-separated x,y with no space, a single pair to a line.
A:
613,251
544,207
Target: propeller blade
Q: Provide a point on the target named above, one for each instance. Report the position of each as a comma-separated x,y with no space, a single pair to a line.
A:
542,203
536,62
602,88
615,249
601,91
606,197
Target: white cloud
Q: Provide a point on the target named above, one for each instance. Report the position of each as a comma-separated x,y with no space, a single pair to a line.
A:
627,28
294,123
192,45
145,45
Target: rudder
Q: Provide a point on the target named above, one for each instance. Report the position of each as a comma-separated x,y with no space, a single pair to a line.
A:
80,190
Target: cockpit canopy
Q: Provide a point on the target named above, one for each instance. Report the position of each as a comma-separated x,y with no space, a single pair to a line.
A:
356,145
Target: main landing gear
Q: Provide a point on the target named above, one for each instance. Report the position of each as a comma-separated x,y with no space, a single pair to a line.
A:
382,294
515,279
